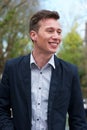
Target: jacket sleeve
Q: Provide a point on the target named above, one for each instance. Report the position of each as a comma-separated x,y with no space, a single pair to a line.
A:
5,113
77,116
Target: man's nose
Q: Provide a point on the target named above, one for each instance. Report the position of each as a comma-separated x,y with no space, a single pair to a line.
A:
55,35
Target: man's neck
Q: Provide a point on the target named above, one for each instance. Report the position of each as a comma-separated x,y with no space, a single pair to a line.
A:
41,59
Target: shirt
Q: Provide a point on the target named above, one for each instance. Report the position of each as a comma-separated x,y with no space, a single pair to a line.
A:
40,83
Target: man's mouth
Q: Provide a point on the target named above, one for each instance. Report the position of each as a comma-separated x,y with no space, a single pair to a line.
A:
53,44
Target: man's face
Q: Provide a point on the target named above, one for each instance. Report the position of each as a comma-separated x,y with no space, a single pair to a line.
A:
48,37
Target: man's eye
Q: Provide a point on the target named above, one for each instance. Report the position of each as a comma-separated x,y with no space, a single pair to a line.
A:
50,30
59,32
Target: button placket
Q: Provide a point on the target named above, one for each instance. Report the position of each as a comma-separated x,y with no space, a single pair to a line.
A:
39,100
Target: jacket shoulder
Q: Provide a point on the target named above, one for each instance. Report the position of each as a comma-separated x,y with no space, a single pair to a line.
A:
66,66
17,61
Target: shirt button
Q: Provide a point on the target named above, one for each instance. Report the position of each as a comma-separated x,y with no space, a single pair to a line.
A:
38,103
37,119
40,72
39,87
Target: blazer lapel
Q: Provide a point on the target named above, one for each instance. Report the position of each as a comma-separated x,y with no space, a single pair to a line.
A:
27,83
56,81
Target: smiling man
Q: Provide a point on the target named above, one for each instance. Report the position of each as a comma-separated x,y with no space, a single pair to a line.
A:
41,88
46,37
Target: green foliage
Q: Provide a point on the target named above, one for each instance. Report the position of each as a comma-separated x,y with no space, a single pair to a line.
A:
14,18
84,66
72,51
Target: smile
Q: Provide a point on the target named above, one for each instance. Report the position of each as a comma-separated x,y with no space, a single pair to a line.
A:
53,44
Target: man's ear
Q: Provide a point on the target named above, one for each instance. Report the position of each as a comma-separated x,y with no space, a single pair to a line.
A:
33,35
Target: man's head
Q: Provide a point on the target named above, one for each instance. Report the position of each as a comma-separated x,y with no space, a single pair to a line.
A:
41,15
45,31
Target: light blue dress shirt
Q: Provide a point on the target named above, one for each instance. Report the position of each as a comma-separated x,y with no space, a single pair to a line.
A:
40,83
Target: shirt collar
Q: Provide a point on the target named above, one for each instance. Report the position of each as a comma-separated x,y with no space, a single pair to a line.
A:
50,62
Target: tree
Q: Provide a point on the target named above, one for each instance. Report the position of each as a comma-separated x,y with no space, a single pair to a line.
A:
14,17
84,59
72,49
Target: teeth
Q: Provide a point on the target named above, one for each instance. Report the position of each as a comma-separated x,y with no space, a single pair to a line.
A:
53,43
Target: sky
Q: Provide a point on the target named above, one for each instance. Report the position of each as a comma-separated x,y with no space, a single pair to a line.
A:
69,10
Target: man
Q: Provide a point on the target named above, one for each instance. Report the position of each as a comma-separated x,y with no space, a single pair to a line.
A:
41,88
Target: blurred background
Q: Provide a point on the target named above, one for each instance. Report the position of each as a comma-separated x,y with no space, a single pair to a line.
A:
15,41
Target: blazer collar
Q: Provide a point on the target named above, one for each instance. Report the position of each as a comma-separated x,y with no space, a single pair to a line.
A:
56,82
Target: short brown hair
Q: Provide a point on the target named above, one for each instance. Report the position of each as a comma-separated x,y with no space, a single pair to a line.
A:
40,15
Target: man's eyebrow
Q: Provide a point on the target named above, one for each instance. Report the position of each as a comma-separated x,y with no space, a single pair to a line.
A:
59,29
53,28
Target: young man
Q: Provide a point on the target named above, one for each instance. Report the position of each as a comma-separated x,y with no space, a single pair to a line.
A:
41,88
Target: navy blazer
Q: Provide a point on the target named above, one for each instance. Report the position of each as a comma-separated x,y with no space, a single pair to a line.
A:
64,96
